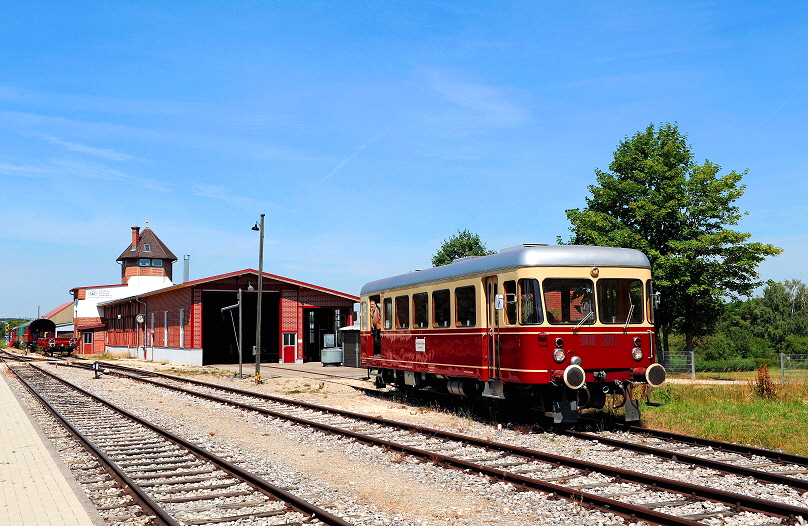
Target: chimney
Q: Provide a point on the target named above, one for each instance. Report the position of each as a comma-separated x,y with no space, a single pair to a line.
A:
135,235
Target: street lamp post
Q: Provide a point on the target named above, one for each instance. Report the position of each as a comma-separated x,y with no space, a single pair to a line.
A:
258,309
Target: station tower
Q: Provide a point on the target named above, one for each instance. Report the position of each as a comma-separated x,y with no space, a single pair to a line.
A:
147,255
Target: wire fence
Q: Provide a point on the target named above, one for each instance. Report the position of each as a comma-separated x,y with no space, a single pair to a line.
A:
678,362
793,367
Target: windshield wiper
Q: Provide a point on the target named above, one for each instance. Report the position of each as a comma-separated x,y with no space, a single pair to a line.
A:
584,320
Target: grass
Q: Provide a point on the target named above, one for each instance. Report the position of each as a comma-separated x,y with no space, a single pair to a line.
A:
776,419
792,375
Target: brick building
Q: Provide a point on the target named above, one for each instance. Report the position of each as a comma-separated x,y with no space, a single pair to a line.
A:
186,324
149,317
146,265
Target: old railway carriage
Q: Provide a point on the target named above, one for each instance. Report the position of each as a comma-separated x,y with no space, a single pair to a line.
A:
559,327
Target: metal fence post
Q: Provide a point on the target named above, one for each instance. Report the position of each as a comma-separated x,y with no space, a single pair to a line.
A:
693,364
783,368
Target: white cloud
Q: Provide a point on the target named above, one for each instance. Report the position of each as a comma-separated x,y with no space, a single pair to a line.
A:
106,153
222,193
477,108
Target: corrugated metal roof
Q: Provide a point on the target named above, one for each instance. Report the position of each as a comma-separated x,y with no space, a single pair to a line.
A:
515,257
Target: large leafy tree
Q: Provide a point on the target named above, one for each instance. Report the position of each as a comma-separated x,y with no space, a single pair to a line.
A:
460,245
658,200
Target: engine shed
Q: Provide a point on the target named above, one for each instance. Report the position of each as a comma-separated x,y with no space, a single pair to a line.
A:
197,322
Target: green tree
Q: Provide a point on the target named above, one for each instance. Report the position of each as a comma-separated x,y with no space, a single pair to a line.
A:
781,313
7,325
658,200
461,245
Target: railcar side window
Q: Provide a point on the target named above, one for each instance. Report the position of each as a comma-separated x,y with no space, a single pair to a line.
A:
649,291
466,306
402,312
568,301
510,302
363,316
618,299
388,313
530,311
420,307
441,304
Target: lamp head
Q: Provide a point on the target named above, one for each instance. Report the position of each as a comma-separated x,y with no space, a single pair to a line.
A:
255,227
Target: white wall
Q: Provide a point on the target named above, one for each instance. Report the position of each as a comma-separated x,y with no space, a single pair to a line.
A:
88,308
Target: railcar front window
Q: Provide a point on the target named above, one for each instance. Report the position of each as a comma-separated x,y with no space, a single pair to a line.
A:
388,313
619,299
420,307
402,312
441,304
466,306
569,301
530,311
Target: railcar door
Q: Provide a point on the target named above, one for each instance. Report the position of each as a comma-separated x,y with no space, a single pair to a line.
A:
492,325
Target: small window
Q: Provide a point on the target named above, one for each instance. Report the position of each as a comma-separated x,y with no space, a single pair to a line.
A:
157,262
289,339
618,299
145,263
388,313
649,290
133,248
568,301
146,247
466,306
363,316
530,311
441,305
420,307
510,302
402,312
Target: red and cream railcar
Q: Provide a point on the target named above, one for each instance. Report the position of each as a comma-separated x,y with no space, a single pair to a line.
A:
560,327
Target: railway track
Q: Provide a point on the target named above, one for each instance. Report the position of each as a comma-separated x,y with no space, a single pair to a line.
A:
622,491
150,476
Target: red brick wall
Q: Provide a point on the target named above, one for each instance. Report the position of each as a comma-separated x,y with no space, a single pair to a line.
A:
128,272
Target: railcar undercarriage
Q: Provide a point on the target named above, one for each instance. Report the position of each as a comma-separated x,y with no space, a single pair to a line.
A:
560,400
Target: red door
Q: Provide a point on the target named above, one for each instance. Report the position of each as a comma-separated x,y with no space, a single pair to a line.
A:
289,353
87,342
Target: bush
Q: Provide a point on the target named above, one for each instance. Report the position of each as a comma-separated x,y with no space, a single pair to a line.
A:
734,364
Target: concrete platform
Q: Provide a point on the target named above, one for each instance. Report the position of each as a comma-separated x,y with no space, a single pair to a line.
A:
36,488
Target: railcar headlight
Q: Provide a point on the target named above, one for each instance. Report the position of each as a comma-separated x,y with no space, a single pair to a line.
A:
637,342
559,355
636,353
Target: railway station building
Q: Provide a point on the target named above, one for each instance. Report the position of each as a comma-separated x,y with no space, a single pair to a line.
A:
197,322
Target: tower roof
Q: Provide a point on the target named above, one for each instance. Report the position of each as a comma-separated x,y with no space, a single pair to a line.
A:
146,244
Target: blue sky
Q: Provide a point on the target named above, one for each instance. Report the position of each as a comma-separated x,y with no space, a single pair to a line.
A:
368,132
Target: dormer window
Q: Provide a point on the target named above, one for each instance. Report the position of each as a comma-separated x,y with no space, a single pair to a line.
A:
145,263
133,248
157,262
146,247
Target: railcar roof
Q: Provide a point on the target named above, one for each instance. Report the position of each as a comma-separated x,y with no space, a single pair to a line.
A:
515,257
